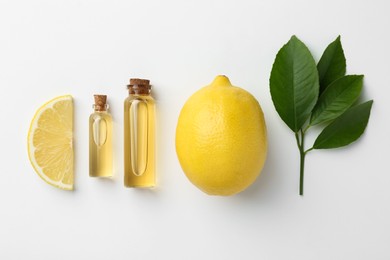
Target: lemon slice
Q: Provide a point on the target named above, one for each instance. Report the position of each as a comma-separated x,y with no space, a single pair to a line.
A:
50,142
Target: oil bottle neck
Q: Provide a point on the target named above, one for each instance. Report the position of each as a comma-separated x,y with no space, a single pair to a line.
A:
100,110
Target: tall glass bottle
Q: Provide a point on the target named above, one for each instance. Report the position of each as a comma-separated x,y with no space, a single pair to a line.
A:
139,139
100,139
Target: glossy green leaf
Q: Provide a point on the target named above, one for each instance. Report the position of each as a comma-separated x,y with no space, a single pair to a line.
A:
337,98
332,64
294,83
345,129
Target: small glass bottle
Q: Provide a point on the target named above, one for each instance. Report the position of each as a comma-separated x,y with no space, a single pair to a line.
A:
100,139
139,135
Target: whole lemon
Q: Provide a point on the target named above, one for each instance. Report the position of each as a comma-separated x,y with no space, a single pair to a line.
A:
221,138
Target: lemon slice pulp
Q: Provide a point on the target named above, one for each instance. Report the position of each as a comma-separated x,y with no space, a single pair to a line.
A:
50,142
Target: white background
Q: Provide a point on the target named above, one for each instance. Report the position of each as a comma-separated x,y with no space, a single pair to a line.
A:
50,48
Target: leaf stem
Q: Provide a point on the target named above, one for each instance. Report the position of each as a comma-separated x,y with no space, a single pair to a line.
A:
306,128
301,172
308,150
298,141
302,154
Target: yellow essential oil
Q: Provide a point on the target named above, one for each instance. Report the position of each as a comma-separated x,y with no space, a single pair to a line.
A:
100,139
139,135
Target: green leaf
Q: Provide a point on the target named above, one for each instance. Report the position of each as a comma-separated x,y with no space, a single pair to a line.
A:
345,129
332,64
337,98
294,83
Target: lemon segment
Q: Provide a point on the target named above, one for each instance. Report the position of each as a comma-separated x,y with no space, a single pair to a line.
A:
50,142
221,138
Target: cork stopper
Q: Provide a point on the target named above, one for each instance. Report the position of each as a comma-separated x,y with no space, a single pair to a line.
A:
100,103
139,86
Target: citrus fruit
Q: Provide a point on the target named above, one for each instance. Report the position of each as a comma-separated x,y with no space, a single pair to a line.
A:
49,143
221,140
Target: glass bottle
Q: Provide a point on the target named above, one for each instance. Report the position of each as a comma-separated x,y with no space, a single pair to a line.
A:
139,135
100,139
